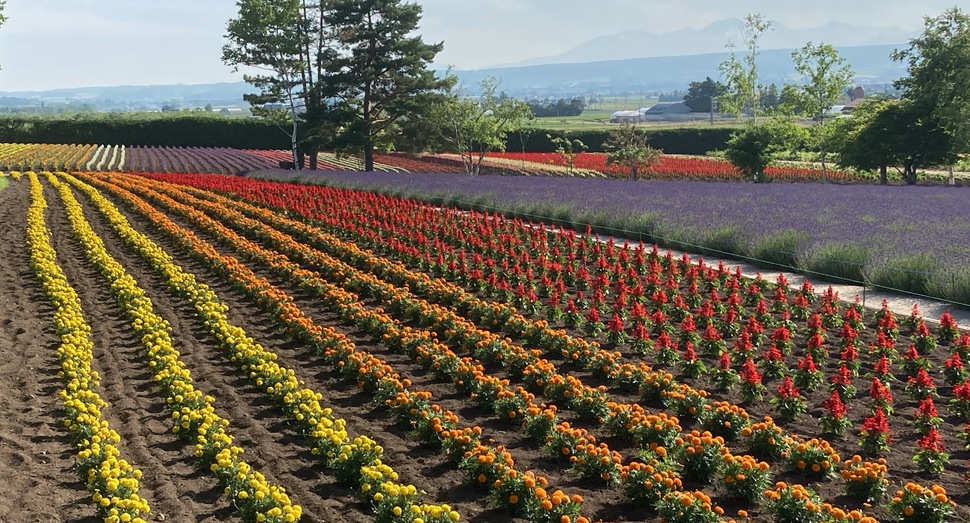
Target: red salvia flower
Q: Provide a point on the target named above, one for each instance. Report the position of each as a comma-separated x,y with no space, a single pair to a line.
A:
879,391
931,441
616,324
787,389
807,363
835,406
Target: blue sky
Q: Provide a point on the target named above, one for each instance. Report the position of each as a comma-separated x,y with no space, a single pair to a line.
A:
74,43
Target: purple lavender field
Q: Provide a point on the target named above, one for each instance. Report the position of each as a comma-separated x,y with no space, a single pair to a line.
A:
910,238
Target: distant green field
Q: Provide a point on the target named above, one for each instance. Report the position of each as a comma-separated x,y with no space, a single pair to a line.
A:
600,120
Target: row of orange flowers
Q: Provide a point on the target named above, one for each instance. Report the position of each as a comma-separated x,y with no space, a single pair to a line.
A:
481,462
113,482
589,459
360,366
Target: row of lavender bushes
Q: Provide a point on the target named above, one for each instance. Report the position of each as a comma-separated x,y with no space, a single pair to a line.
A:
912,239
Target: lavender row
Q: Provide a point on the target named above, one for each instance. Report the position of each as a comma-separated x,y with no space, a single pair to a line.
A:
193,159
914,239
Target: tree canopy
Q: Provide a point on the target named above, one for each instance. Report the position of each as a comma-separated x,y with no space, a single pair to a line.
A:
824,78
628,146
743,93
939,72
349,70
289,41
700,95
895,133
475,127
380,73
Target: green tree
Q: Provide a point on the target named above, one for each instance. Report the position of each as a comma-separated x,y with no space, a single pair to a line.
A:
380,76
475,127
752,149
895,133
771,99
939,73
568,149
628,146
700,95
743,94
289,42
824,78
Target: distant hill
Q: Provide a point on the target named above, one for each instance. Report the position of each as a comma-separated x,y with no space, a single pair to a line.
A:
188,94
872,65
714,38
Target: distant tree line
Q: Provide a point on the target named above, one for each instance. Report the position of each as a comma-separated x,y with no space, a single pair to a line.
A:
561,107
178,129
675,96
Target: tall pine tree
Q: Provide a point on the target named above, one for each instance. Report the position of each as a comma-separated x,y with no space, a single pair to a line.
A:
380,74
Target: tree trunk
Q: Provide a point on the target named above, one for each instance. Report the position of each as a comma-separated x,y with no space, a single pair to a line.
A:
951,180
883,178
296,147
825,172
909,172
369,154
313,160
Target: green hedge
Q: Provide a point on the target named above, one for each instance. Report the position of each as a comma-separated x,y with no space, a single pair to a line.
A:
209,130
180,130
686,140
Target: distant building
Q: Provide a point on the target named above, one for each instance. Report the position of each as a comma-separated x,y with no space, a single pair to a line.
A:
231,111
663,109
849,107
625,117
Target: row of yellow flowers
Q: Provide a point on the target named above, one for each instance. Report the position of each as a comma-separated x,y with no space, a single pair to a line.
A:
865,479
112,481
20,156
354,460
193,413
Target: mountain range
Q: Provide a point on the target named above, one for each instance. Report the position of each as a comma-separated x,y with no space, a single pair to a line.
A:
715,38
871,64
629,62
